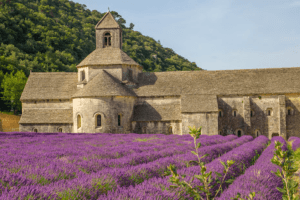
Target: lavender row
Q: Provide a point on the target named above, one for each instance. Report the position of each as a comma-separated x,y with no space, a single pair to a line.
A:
58,170
69,149
113,152
156,187
258,178
145,157
135,175
296,142
108,179
48,157
242,156
95,164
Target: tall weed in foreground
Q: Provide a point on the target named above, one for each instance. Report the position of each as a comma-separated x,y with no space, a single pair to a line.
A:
205,178
285,160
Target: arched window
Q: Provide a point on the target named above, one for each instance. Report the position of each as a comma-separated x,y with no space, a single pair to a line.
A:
78,121
60,130
82,75
290,111
35,130
107,40
239,133
119,120
98,120
170,130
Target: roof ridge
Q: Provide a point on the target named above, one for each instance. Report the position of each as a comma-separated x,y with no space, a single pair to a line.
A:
49,108
51,72
108,12
230,70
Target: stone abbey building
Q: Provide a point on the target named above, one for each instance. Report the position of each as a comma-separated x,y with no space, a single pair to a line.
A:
111,94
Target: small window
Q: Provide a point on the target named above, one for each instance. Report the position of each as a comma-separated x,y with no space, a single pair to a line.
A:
119,120
269,112
107,40
275,134
170,130
98,120
60,130
239,133
220,114
144,130
82,75
256,133
251,113
289,112
35,130
234,113
78,121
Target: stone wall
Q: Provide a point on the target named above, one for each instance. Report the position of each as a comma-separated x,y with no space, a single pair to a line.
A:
118,71
115,39
46,128
51,103
260,121
207,121
292,120
278,122
157,127
108,108
135,72
92,71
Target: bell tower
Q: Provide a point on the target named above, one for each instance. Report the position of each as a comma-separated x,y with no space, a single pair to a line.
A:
108,56
108,32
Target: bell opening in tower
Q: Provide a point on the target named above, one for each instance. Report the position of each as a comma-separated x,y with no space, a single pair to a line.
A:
107,40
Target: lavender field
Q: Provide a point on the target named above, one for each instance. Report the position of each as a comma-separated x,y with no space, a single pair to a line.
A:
130,166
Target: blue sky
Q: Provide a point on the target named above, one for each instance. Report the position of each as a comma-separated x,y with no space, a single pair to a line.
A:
217,34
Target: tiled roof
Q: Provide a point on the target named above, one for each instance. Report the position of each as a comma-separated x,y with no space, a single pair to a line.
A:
107,56
221,82
50,115
103,84
199,103
107,21
50,85
165,112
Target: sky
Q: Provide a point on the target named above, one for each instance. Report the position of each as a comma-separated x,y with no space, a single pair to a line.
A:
217,34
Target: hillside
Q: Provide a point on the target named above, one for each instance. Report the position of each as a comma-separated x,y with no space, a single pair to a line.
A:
56,35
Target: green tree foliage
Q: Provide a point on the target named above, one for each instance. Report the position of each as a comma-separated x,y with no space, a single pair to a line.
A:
13,85
131,25
56,35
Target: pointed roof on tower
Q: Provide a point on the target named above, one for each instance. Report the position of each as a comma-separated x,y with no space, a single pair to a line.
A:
107,21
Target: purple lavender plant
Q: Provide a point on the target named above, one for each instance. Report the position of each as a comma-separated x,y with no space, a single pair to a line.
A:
242,157
296,142
148,186
40,165
258,178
